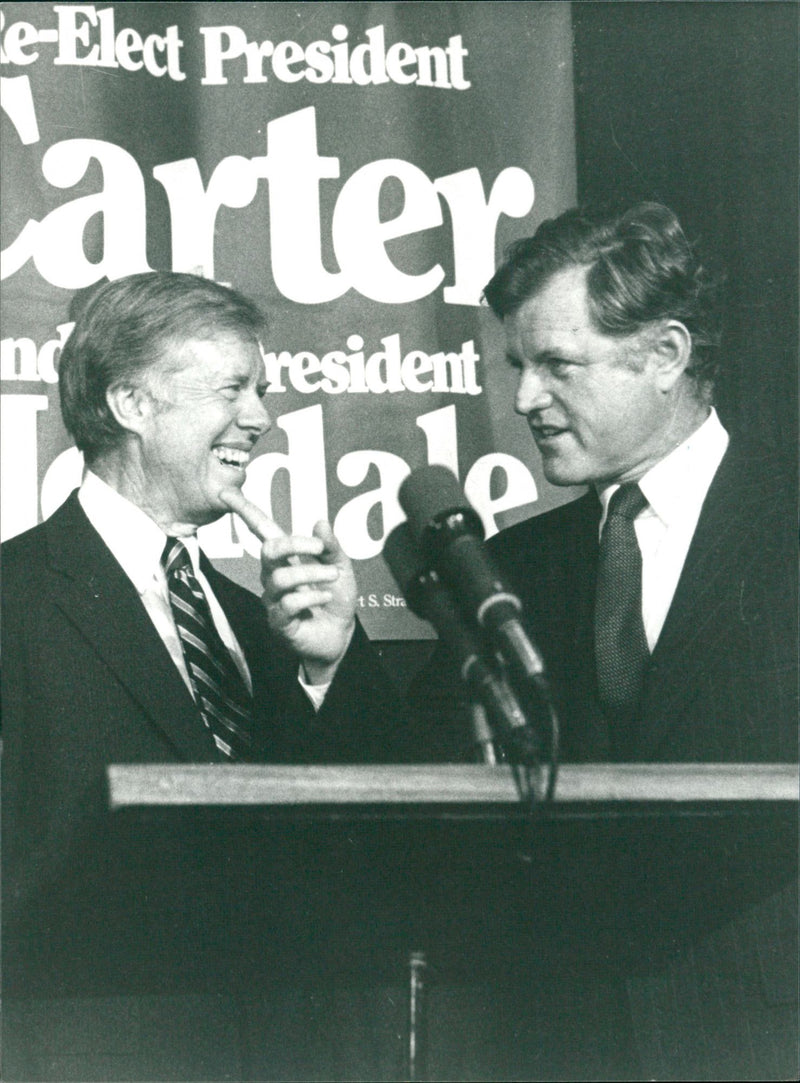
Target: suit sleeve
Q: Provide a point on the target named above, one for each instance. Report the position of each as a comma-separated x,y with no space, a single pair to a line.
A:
362,720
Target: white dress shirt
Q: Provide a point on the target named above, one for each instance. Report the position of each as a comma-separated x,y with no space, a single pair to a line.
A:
137,543
675,490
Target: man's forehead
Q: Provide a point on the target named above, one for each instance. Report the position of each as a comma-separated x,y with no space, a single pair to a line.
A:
560,308
563,297
215,351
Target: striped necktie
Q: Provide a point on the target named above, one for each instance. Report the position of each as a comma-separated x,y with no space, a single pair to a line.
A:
621,649
219,690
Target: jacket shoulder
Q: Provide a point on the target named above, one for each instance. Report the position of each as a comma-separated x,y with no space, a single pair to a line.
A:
26,554
566,522
23,559
20,546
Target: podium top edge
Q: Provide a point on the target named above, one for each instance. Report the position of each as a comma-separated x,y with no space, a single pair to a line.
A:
132,785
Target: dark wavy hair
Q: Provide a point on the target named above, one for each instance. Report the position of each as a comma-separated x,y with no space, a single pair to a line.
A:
641,268
126,327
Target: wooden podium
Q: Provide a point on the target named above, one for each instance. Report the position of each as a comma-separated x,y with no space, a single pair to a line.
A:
685,787
383,870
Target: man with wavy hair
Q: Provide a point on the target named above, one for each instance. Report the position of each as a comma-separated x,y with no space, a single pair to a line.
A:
664,602
609,323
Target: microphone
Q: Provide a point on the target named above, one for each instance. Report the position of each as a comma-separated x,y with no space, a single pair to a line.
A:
450,533
429,599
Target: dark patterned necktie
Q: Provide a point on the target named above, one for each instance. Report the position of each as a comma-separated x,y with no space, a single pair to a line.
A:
620,643
220,692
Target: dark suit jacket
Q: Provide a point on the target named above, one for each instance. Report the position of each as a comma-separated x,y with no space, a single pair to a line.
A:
87,682
710,959
722,681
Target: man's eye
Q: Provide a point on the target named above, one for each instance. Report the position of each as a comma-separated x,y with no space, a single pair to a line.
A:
558,366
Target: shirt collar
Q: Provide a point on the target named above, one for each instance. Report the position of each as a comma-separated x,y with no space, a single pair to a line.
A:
135,539
678,483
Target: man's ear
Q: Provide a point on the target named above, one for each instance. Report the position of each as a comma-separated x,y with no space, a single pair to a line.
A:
131,405
671,347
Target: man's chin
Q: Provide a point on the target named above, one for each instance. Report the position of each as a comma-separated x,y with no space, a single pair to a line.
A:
561,473
213,512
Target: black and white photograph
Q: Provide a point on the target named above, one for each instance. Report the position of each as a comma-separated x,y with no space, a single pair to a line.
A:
399,518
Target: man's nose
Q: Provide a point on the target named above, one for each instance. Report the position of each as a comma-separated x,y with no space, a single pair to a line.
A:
532,392
253,414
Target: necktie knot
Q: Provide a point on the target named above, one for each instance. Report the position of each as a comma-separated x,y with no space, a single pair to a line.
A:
627,501
175,557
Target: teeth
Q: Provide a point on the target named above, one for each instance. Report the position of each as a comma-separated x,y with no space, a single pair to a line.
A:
232,456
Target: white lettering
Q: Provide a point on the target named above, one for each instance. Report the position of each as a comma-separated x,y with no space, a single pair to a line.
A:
386,370
16,40
379,505
441,437
19,461
216,53
193,209
60,256
475,224
125,49
520,487
63,475
359,234
20,361
294,170
369,63
304,463
46,361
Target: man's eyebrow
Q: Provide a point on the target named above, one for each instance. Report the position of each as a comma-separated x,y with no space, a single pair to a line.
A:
233,375
517,360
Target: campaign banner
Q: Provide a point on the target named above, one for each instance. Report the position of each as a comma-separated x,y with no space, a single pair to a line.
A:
356,169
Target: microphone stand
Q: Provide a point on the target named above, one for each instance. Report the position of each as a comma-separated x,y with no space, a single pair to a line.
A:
501,714
482,735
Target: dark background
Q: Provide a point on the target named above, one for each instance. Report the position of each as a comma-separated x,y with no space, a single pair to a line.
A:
696,105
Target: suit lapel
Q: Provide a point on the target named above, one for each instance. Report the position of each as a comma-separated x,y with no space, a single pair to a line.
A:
716,548
101,602
595,736
562,549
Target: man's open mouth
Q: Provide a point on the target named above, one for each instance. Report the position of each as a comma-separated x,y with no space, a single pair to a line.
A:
232,456
547,432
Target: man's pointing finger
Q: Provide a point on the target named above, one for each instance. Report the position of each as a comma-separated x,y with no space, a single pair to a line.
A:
262,526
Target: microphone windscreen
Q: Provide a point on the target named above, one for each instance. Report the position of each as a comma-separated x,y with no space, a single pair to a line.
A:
428,493
402,556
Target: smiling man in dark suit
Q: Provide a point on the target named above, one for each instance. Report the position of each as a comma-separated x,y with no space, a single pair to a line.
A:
122,644
664,601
